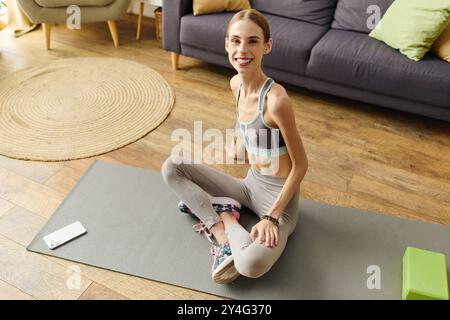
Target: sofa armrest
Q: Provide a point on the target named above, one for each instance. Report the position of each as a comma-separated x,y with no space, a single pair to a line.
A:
173,10
30,9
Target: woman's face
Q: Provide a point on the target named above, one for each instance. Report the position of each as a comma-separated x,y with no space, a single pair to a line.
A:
245,46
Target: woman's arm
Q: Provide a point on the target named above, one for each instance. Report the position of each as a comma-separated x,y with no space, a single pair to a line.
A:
282,113
236,150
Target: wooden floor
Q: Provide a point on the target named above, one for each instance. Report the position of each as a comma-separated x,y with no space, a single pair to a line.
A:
360,156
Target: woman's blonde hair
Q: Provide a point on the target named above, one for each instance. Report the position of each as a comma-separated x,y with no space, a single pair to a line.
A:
255,16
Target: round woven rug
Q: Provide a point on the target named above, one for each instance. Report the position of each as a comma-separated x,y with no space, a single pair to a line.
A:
79,107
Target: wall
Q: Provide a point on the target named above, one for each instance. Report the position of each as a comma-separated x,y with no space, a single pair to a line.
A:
148,9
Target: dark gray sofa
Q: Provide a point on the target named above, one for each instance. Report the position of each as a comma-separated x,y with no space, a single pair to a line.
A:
322,45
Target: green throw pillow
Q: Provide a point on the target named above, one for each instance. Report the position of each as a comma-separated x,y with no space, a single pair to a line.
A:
413,25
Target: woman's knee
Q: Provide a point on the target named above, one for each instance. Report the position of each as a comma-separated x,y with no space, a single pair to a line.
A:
169,168
252,267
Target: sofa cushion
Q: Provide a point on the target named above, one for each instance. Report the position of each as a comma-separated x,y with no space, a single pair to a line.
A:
399,28
314,11
66,3
359,15
207,6
356,60
207,32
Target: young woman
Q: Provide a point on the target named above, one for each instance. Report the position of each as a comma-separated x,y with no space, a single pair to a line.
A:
266,128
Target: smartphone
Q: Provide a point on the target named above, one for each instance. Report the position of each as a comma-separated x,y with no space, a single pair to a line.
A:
65,234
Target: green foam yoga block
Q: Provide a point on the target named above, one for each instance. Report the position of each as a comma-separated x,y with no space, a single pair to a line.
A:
424,275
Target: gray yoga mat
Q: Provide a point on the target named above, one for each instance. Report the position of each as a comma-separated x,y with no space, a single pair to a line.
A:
134,227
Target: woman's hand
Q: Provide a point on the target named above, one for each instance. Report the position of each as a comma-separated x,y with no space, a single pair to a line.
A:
267,233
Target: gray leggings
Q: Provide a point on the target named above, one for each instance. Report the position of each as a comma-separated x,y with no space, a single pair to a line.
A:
193,182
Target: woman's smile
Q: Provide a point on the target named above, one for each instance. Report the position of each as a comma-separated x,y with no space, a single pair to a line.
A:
243,62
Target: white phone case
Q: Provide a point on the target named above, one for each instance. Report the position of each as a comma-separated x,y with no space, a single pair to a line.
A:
65,234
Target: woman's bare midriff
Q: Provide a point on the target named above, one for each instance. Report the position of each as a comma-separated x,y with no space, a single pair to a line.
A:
270,167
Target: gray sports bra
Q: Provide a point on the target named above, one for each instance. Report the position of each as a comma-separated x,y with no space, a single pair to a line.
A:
258,137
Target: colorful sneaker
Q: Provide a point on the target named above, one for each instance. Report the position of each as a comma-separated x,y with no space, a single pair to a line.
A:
220,204
184,208
223,270
201,228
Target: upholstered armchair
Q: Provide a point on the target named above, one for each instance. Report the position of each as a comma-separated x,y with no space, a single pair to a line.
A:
49,12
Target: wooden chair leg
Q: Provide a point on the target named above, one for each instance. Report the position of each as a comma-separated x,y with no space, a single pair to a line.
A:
114,34
139,26
175,59
47,27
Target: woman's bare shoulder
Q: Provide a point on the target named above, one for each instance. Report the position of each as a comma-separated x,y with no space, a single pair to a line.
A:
277,96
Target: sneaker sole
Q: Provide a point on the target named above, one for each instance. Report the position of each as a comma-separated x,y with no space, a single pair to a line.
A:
226,274
229,277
